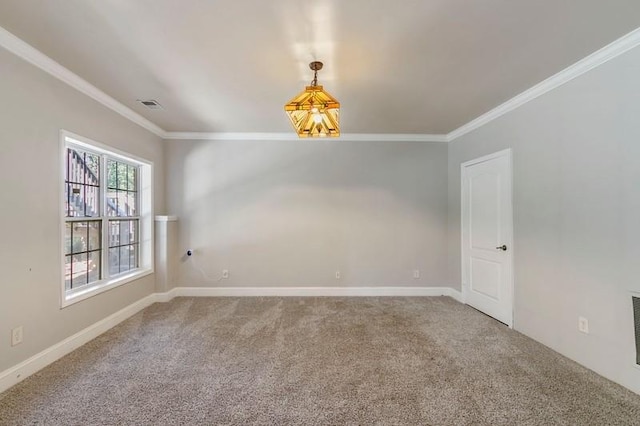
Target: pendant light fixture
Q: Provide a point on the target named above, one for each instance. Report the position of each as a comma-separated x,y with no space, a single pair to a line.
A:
314,112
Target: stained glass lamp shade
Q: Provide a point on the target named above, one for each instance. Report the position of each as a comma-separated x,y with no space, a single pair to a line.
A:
314,112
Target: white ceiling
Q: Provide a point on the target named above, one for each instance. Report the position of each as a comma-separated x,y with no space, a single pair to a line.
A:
424,67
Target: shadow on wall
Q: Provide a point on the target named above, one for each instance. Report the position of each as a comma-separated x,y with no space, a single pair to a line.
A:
294,212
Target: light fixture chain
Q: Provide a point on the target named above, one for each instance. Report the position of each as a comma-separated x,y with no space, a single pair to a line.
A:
315,67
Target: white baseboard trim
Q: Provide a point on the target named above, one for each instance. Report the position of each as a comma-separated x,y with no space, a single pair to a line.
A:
16,374
315,291
455,294
166,297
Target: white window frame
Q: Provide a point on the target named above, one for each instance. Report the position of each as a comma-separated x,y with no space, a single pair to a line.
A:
145,218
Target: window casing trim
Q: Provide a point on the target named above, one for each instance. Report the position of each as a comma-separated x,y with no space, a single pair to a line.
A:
145,217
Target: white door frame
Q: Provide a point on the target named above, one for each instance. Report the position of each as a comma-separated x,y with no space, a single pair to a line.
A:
465,284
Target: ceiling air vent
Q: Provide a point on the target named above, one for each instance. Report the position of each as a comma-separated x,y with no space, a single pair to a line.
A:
151,104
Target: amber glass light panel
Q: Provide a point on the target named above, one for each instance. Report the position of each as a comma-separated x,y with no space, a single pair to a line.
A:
314,113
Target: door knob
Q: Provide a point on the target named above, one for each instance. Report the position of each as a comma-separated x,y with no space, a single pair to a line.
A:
502,247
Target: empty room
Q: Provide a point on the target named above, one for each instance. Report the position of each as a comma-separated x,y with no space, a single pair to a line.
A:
321,212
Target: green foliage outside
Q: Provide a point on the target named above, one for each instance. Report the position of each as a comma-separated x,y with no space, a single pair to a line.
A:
121,176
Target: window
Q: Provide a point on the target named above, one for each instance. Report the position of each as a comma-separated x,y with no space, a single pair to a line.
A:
107,218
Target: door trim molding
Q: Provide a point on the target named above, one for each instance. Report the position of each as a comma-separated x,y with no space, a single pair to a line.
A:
504,152
464,287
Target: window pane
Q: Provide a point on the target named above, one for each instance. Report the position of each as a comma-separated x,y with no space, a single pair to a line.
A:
133,257
94,242
112,202
92,201
82,200
124,258
121,203
76,166
122,184
76,200
132,178
67,165
92,169
114,233
132,226
67,238
132,231
94,266
78,270
79,237
122,175
123,232
114,261
67,193
125,235
82,167
67,272
132,207
83,242
112,174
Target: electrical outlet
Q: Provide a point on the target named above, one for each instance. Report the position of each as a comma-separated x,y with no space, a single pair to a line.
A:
583,325
225,274
416,273
338,275
16,336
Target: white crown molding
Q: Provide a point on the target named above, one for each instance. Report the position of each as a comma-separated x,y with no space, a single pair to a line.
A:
32,55
291,136
231,136
602,56
393,137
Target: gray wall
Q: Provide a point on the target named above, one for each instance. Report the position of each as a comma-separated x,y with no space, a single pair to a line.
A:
291,213
33,108
576,153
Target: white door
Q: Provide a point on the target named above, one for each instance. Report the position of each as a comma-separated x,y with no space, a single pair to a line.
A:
487,235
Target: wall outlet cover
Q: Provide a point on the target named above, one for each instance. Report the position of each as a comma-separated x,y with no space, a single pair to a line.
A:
16,336
583,325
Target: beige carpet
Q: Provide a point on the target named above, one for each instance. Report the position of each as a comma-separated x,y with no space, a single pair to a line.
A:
308,361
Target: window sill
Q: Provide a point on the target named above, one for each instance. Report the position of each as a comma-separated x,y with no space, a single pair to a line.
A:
70,299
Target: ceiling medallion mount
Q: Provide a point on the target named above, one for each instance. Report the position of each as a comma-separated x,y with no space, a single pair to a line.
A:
316,65
314,112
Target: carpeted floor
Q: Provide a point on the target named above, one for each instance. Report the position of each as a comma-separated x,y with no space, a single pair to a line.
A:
315,361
